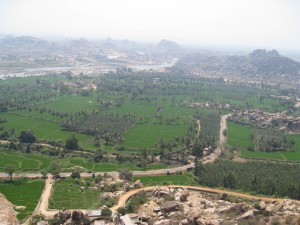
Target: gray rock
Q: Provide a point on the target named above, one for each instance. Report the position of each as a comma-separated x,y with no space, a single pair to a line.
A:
169,206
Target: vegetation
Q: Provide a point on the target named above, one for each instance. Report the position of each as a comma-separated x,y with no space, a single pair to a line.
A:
134,203
125,175
257,177
242,137
19,193
270,140
10,169
74,194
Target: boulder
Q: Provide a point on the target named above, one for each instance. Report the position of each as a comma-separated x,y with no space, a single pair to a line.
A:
184,194
248,214
169,206
7,213
137,184
223,196
237,208
184,222
163,222
262,205
193,215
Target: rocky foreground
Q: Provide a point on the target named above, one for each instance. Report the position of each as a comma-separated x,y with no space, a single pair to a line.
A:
183,207
7,212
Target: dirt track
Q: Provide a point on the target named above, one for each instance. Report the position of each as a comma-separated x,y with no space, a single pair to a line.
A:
126,196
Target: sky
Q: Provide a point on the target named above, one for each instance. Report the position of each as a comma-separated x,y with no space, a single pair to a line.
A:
259,23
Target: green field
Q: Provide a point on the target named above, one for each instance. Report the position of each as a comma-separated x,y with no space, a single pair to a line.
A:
34,162
42,128
184,179
68,195
20,193
239,136
146,135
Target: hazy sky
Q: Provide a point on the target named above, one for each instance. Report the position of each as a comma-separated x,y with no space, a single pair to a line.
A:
261,23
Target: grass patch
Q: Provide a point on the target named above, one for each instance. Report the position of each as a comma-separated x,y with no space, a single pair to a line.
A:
146,135
68,195
239,135
23,193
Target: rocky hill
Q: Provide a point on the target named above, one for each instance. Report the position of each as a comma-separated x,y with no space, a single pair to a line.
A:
7,212
260,64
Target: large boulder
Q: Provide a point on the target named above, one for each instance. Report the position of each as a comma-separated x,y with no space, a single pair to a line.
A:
184,194
193,215
7,212
169,206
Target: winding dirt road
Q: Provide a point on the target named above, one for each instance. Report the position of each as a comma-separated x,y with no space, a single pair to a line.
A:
126,196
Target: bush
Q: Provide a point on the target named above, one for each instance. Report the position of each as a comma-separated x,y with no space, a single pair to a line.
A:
75,174
121,210
106,212
125,175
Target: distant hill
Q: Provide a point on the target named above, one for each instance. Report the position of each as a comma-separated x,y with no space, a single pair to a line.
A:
165,44
260,63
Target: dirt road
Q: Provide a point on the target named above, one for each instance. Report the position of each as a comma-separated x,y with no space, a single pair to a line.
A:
218,151
126,196
42,207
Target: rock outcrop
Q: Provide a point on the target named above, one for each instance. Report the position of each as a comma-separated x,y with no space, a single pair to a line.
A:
7,212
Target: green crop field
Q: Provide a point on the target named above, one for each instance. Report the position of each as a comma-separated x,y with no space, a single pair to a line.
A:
146,135
68,195
43,129
184,179
33,162
238,135
20,193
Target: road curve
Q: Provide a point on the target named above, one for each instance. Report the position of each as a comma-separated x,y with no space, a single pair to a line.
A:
126,196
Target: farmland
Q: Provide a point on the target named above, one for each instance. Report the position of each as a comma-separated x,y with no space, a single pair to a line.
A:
20,193
239,136
68,195
34,162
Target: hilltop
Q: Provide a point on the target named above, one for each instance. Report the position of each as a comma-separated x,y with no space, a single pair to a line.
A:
259,64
